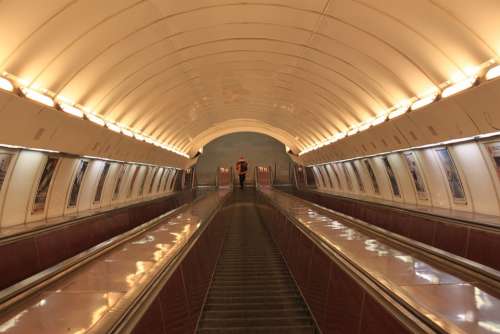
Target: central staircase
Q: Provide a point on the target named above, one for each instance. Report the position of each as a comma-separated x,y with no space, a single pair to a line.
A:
252,290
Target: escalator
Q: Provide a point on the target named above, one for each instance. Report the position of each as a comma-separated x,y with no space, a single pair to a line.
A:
252,290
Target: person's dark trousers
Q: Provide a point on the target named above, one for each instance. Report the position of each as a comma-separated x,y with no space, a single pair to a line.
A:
242,180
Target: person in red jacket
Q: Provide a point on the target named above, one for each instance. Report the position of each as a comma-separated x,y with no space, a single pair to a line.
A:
242,168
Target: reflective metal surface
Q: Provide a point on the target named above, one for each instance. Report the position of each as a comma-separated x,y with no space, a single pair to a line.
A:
80,301
455,304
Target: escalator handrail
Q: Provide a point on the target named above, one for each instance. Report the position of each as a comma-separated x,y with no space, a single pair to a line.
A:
408,316
25,288
71,220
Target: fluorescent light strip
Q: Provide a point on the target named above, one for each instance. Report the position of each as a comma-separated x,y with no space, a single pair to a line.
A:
426,100
94,119
459,87
364,127
113,127
72,110
5,84
398,112
128,133
38,97
379,120
353,131
340,135
17,147
493,73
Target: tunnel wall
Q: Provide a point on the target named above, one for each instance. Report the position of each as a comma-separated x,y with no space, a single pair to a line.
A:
25,181
439,186
258,149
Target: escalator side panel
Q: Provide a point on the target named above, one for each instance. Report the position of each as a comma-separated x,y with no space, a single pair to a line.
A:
177,307
339,304
462,239
45,249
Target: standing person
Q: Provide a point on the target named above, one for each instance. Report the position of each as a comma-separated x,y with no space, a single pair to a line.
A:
242,167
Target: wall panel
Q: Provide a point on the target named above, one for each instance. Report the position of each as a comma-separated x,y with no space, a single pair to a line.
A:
58,197
20,187
481,185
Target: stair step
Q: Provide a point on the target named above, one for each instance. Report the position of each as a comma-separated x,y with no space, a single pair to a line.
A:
259,330
254,299
260,313
251,292
269,306
256,322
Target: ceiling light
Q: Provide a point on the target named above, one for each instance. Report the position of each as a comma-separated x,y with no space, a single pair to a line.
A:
5,84
113,127
127,133
94,119
72,110
38,97
398,112
492,73
379,120
340,135
459,86
363,127
424,101
353,131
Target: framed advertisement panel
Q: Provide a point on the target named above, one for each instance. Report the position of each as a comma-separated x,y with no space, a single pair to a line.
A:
416,175
132,182
102,180
494,152
42,189
77,183
119,179
347,176
358,177
452,175
160,181
5,160
369,168
337,177
392,177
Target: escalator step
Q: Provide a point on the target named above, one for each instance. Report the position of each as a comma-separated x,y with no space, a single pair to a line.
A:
252,290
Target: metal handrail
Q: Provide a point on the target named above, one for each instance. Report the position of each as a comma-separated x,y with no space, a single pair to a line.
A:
124,322
410,317
415,212
32,284
7,239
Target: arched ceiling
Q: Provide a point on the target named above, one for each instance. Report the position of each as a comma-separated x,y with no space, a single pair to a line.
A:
185,72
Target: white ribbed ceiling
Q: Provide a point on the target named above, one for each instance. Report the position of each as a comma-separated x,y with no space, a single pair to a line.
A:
185,72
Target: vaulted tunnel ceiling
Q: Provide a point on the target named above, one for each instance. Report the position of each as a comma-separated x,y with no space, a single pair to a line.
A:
185,72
